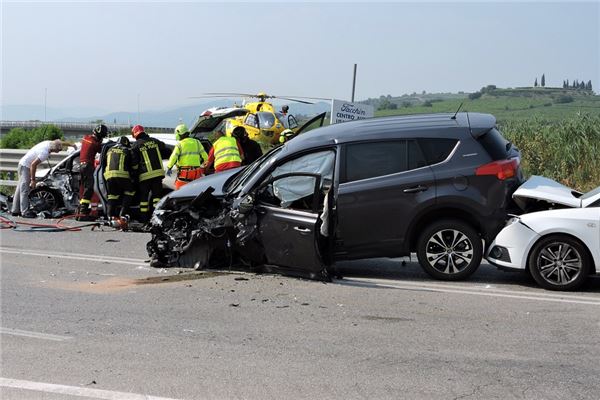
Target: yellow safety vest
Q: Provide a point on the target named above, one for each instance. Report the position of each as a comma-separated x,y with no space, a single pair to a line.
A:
188,152
226,151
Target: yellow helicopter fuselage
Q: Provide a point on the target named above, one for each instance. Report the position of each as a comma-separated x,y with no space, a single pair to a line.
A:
262,122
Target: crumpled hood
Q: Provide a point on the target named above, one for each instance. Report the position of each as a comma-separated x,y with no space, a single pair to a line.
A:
198,186
540,188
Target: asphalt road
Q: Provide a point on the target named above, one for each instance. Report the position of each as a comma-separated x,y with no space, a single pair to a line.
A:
80,318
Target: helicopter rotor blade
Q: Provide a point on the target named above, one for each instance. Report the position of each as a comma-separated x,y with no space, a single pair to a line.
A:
307,97
287,98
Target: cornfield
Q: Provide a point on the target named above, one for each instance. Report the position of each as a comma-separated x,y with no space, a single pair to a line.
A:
567,151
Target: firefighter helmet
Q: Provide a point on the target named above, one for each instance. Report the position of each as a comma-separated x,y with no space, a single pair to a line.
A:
137,130
286,135
100,131
124,141
181,130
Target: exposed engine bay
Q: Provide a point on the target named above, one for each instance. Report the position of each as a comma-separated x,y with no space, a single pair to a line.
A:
204,232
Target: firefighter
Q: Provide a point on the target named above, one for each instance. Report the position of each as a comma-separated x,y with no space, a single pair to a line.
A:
146,159
90,146
226,153
188,155
118,179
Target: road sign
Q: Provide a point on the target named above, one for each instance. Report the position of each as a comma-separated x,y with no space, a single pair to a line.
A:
343,111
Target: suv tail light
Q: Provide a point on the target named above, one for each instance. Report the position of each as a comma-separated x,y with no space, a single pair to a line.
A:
503,169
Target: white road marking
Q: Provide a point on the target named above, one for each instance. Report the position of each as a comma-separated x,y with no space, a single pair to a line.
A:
35,335
75,256
75,390
477,291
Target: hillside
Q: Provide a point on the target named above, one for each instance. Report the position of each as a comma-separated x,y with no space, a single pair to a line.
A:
550,104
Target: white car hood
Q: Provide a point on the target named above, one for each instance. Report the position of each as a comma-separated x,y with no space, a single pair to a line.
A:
540,188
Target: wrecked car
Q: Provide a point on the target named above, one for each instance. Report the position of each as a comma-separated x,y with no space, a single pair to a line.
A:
437,184
58,186
557,241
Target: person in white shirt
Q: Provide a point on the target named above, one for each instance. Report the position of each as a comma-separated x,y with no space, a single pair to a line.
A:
26,170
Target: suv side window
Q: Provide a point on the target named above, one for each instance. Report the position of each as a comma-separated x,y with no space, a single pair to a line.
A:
437,150
369,160
297,192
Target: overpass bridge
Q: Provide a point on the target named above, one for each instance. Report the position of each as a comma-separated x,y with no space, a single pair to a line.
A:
73,130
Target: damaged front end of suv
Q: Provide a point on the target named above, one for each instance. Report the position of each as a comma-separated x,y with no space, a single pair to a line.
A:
267,215
198,234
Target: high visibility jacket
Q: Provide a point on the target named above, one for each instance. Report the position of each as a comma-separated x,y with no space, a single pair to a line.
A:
226,151
118,162
188,152
146,155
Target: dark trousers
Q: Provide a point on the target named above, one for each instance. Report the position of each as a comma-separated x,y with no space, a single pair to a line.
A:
150,194
87,183
120,195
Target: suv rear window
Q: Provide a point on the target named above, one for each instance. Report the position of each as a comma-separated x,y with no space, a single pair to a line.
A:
494,143
436,150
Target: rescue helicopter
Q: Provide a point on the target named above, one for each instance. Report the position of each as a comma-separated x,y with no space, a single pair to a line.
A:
260,118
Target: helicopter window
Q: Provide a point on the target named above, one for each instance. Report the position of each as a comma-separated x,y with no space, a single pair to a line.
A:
292,123
251,120
266,119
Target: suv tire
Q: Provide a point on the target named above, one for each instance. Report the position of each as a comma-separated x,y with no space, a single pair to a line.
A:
449,250
559,262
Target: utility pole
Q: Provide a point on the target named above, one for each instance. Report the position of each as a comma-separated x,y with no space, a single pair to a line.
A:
45,102
353,83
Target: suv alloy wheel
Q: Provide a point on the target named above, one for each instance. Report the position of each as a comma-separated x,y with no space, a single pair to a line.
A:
449,250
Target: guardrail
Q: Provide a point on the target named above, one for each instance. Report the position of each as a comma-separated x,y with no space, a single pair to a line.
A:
9,163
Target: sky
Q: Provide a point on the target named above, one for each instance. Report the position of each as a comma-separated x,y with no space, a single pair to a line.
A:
103,56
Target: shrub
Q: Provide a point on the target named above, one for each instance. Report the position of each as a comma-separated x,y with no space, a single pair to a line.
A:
566,151
562,99
19,138
475,95
427,103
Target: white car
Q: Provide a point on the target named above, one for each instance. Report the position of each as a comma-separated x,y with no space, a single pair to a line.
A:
559,246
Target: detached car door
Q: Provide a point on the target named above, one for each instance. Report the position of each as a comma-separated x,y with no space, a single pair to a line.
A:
290,205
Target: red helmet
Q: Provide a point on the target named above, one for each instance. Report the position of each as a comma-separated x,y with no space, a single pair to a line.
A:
137,130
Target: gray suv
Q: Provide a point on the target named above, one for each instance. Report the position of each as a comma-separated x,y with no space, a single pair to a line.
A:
439,185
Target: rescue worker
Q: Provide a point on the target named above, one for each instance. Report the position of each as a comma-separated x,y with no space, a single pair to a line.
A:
26,170
251,148
285,109
286,135
118,179
188,155
90,146
226,153
146,159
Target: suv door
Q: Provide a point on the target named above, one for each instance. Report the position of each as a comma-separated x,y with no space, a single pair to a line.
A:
289,205
383,184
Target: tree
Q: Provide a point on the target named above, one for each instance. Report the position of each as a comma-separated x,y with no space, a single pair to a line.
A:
567,83
535,84
589,85
543,83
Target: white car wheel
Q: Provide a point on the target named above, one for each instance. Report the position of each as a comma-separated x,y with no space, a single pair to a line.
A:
559,262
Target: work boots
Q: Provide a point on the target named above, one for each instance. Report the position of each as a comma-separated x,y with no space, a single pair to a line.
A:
83,213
